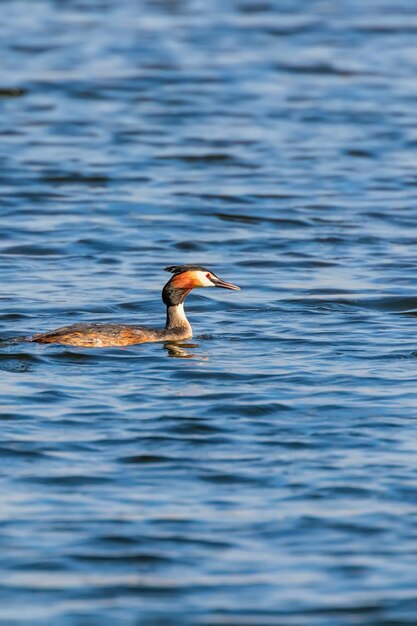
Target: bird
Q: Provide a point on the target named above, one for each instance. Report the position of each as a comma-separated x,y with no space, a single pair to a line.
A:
177,327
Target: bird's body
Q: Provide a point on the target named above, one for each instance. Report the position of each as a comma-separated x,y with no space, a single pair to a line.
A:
177,327
99,335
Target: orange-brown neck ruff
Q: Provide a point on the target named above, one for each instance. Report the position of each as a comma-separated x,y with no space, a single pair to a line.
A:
178,288
185,280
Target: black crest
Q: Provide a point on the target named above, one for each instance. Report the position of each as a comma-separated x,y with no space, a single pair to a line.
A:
179,269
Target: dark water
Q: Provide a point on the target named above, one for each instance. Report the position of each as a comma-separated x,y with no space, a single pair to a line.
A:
266,473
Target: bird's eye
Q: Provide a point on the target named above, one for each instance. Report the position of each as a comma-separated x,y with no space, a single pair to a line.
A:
208,276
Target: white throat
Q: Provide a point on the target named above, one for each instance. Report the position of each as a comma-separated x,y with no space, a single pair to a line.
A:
176,318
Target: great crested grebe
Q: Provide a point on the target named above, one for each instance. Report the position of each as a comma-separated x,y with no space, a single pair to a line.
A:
97,335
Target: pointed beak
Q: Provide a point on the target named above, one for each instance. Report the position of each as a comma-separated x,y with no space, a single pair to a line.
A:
221,283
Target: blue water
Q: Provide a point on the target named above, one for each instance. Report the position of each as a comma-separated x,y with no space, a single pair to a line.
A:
263,473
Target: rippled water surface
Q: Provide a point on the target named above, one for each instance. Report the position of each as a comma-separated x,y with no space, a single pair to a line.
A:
264,472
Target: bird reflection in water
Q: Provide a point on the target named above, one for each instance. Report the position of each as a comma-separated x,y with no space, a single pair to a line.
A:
179,350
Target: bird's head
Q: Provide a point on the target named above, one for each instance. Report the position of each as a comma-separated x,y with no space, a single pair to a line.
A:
187,277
